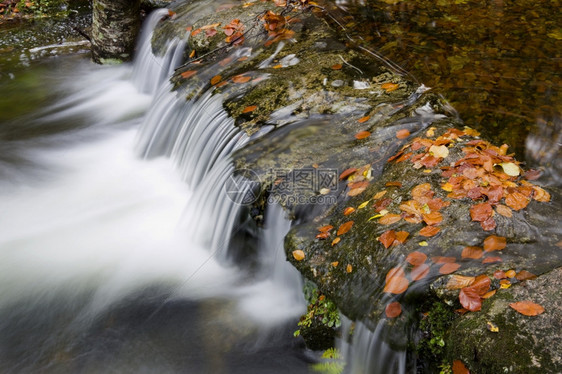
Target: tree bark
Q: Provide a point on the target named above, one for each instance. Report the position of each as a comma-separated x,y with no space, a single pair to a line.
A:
115,25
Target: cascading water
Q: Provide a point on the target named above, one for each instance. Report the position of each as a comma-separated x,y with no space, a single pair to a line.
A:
113,263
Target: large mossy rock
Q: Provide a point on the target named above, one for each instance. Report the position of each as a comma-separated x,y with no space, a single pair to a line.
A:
315,106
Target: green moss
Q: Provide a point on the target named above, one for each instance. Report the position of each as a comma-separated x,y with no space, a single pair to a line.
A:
434,327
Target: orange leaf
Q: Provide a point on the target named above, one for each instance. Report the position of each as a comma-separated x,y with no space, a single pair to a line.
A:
356,191
347,211
347,172
396,285
363,119
510,273
527,308
337,66
349,268
195,32
362,135
422,191
429,231
188,74
490,260
459,368
389,87
416,258
443,260
397,271
323,235
494,243
250,108
389,219
393,184
470,299
387,238
499,274
459,281
516,200
216,79
336,241
481,284
541,195
504,211
449,267
192,54
344,227
241,78
433,218
401,236
402,134
524,275
393,309
326,228
419,272
481,212
489,294
472,252
298,255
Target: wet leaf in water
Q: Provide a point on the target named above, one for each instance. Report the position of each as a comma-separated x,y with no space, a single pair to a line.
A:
362,135
389,219
241,78
416,258
472,252
419,272
396,271
492,327
524,275
449,267
429,231
443,260
387,238
491,260
250,108
401,236
298,255
516,200
344,227
396,285
363,119
393,309
433,218
402,134
494,243
188,74
527,308
481,212
216,79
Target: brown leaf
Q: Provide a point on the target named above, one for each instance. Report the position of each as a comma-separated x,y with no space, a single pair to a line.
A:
216,79
494,243
499,274
401,236
393,184
489,224
433,218
504,210
459,281
347,172
429,231
481,212
396,285
362,135
524,275
188,74
490,260
402,134
397,271
241,78
344,227
443,260
472,252
470,299
422,191
389,219
449,267
516,200
527,308
393,309
387,238
459,368
419,272
416,258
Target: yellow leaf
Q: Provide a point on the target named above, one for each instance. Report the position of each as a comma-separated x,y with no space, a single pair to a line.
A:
492,327
510,169
335,263
298,255
423,244
380,194
336,241
349,268
363,205
447,187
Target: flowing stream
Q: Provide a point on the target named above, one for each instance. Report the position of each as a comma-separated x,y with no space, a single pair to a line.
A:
115,239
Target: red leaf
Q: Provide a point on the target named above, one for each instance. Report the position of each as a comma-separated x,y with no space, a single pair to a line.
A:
488,224
419,272
490,260
396,285
459,368
347,172
470,299
401,236
449,267
481,212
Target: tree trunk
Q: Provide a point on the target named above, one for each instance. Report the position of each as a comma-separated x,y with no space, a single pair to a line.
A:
115,25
